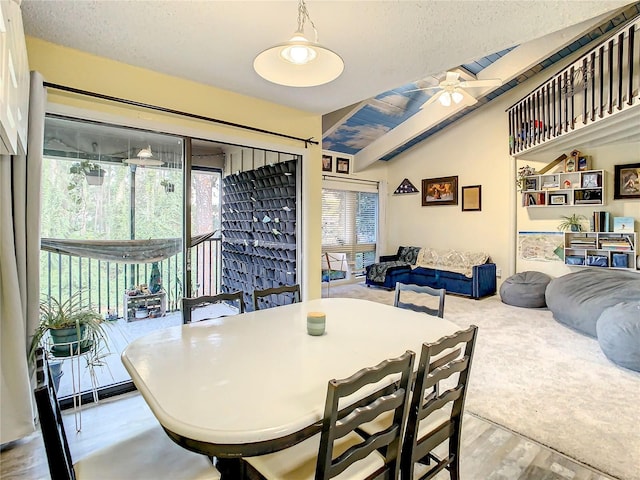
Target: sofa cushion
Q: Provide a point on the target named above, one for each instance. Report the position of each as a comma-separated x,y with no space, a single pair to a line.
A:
618,331
577,299
451,260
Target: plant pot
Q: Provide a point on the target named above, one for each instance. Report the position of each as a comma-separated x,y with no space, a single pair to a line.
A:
95,177
65,341
576,228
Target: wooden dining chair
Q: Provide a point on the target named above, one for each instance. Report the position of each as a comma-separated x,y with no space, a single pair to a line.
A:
437,405
143,454
190,303
338,449
260,297
434,292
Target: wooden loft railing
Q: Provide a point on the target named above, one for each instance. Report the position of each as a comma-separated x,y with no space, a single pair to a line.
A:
600,84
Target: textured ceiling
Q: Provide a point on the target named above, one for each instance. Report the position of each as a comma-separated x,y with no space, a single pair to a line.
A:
384,44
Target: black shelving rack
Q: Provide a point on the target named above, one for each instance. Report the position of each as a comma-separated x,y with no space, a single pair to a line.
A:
259,230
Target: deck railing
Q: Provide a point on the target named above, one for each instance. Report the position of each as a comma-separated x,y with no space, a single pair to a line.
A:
103,284
601,83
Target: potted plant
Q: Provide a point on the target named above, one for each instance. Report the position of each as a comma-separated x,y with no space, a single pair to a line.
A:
572,223
92,172
523,173
169,187
69,328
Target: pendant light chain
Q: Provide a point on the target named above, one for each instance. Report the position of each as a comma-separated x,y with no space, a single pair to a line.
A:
303,14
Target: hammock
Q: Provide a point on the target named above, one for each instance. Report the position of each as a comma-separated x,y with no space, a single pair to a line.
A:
122,251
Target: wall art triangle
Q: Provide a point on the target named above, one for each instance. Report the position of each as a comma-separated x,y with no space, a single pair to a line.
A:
405,187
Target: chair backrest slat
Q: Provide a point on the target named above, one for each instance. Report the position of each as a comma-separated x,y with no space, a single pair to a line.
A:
190,303
404,287
259,296
339,422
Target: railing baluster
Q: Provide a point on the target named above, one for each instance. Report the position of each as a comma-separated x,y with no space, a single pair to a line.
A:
601,73
610,77
555,106
630,63
592,71
584,90
620,68
548,115
560,123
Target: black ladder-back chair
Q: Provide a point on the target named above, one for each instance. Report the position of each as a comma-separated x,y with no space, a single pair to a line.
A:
144,454
260,296
189,303
440,293
431,410
338,446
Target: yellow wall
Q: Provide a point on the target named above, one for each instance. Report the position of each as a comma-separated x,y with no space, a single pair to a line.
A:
65,66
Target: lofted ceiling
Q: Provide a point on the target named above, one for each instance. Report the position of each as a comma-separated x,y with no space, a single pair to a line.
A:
386,47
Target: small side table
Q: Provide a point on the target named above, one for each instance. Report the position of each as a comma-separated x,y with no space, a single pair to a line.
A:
153,302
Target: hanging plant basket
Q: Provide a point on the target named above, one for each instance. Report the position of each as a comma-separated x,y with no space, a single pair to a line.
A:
95,177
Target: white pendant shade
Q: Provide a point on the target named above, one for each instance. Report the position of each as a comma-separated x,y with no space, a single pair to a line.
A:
144,159
298,63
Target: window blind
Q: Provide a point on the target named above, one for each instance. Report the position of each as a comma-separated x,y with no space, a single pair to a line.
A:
350,225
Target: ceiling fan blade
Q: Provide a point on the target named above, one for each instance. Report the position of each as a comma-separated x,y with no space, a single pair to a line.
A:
422,89
470,98
496,82
433,98
452,77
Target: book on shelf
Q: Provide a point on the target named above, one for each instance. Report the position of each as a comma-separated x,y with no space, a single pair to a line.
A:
623,224
601,222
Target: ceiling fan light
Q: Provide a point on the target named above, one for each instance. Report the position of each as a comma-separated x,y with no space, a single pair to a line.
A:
457,97
445,99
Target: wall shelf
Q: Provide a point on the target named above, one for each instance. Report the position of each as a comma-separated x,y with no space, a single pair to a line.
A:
600,250
584,188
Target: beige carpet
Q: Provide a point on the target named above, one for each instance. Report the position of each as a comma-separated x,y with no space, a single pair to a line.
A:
544,381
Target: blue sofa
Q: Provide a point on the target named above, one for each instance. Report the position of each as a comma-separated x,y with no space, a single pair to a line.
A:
482,282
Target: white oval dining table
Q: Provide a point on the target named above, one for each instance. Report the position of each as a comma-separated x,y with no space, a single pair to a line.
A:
255,383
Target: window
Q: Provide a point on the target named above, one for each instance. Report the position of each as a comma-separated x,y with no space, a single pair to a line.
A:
350,225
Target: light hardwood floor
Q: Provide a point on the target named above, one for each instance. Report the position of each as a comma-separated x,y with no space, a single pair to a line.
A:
489,452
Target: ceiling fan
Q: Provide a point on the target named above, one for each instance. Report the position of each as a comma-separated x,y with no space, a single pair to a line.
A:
452,89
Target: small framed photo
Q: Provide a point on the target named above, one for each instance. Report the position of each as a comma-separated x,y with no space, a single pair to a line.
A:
557,199
591,180
570,164
584,163
327,163
440,191
531,184
627,181
342,165
472,198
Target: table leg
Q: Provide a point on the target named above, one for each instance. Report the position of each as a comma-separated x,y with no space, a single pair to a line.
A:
230,468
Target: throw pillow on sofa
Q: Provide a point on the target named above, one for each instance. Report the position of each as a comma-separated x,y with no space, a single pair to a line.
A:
409,255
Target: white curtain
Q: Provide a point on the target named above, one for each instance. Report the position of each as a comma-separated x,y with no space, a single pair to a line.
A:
19,269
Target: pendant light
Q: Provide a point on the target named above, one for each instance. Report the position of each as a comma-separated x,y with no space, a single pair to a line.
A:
299,62
144,159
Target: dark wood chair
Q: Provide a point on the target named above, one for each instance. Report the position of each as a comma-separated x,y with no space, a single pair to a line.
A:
260,299
147,453
440,293
338,448
190,303
437,417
